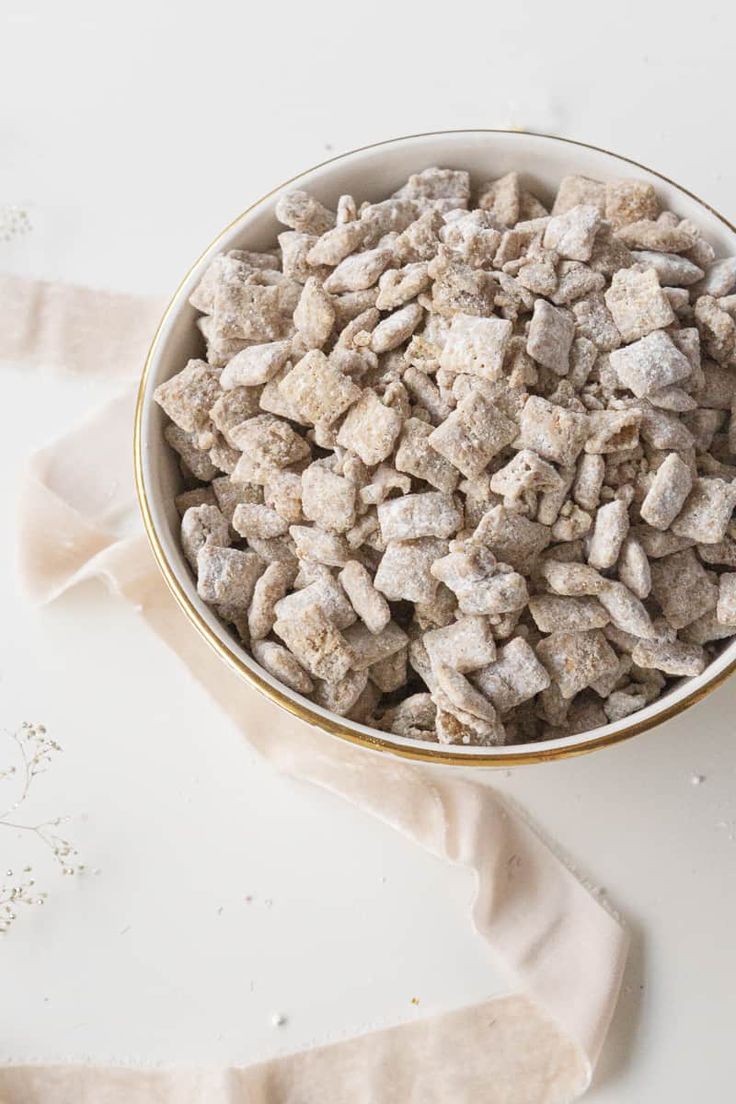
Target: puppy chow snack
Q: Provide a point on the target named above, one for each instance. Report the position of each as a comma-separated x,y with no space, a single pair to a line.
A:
460,464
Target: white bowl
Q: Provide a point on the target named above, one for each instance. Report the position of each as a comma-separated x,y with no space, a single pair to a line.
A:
372,173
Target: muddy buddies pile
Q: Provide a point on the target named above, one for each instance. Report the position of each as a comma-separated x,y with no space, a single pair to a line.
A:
462,468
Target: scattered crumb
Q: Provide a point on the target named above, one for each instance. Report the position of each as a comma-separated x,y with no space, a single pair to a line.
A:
697,779
278,1019
220,910
414,1000
268,902
126,929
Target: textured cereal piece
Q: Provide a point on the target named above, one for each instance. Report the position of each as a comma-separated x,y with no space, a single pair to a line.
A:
718,387
672,270
575,190
459,727
397,286
626,610
255,365
726,608
472,434
552,613
719,279
571,579
482,585
404,571
420,240
275,550
662,430
473,237
717,329
683,588
227,575
630,201
390,674
417,457
525,472
196,461
667,494
325,592
576,281
539,276
657,544
594,321
270,588
223,456
189,395
607,684
314,316
384,481
413,718
513,538
313,543
203,525
328,499
229,495
588,480
336,244
633,568
219,269
622,704
370,429
572,234
674,658
707,511
370,648
550,337
283,493
438,613
253,520
396,328
650,364
514,677
234,407
255,308
340,697
389,217
571,524
370,606
576,659
459,288
426,394
303,212
502,198
555,434
613,430
705,630
656,236
431,514
316,390
476,346
295,250
266,444
458,695
364,710
609,533
280,663
637,303
465,645
359,271
199,496
437,184
317,644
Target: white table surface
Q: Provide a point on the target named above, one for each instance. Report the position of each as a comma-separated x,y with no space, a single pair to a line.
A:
132,133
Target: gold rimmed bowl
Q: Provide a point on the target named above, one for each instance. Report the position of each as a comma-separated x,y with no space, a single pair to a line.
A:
371,174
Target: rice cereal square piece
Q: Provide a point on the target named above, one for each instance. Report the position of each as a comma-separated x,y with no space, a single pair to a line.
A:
417,457
576,190
552,432
370,606
280,663
188,396
390,674
472,434
317,644
256,520
554,612
313,543
194,459
637,303
515,677
726,608
429,514
476,346
650,364
466,644
340,697
572,234
630,201
683,588
707,511
404,573
203,525
668,492
576,659
324,592
674,657
227,576
328,499
317,391
369,648
370,429
550,337
267,443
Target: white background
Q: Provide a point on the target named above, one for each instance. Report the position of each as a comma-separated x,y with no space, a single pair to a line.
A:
132,133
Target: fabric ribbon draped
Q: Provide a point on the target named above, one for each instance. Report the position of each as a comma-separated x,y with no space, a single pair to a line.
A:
563,952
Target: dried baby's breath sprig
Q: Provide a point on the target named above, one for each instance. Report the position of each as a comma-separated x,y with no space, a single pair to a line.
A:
34,751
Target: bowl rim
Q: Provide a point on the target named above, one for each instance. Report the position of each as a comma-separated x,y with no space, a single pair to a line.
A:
331,723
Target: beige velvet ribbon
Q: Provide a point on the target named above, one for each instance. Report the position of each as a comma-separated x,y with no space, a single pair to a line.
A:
563,952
